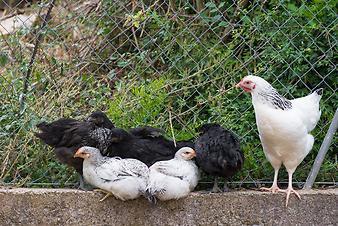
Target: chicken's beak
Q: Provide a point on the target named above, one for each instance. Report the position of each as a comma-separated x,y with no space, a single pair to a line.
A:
79,153
238,84
193,154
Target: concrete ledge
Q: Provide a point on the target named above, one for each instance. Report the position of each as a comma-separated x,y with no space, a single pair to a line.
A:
23,206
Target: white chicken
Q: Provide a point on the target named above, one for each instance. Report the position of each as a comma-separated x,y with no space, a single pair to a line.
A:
283,125
173,179
124,178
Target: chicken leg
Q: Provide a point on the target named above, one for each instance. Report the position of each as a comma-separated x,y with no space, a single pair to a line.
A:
105,192
225,187
83,185
290,189
215,188
274,188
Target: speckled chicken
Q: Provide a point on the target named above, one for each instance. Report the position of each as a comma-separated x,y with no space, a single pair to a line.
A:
124,178
173,179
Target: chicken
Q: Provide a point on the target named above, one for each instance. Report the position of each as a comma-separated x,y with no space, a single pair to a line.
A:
218,153
100,119
147,149
69,132
173,179
67,135
124,178
146,132
143,143
284,126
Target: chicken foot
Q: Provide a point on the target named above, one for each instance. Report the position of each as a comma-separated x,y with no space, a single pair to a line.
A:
84,186
274,188
105,192
215,188
290,189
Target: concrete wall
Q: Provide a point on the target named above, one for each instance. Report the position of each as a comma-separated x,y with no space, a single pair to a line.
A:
73,207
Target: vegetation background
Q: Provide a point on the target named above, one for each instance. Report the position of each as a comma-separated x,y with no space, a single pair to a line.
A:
142,61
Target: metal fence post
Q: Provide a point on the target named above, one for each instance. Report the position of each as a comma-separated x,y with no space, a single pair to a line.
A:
322,152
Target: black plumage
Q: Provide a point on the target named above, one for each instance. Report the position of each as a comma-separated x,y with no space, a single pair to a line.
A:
146,144
218,152
146,132
100,119
66,136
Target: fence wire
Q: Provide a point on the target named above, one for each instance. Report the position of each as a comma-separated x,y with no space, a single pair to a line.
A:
152,62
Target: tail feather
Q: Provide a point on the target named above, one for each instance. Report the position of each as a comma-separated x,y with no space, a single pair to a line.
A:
52,133
308,108
146,132
46,134
319,91
150,197
42,125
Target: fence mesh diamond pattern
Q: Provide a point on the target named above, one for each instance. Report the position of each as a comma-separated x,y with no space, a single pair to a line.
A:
152,62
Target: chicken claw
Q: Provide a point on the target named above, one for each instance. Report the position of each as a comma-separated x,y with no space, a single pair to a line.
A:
273,189
288,191
106,196
105,192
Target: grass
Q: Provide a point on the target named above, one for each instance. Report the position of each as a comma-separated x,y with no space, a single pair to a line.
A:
78,71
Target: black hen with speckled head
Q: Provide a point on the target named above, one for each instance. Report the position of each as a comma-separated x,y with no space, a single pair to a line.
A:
218,152
66,136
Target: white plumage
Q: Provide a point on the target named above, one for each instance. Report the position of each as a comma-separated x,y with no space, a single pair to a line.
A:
175,178
123,178
283,125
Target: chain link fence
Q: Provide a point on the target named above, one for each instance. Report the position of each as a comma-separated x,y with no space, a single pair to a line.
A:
156,62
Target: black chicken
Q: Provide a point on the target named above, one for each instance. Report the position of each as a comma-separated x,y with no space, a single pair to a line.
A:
68,135
218,153
146,144
100,119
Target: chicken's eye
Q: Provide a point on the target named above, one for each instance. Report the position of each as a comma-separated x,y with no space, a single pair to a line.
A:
247,82
186,153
